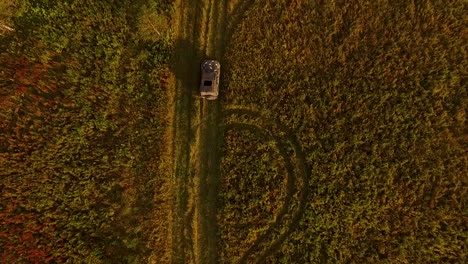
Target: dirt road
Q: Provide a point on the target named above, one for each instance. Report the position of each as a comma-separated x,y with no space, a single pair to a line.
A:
200,35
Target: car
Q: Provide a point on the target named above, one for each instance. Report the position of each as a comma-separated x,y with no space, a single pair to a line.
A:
209,87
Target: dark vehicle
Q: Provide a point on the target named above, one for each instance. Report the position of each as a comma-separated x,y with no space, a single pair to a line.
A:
209,87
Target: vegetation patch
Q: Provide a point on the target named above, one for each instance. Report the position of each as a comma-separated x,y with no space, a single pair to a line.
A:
375,93
82,134
9,9
253,189
293,187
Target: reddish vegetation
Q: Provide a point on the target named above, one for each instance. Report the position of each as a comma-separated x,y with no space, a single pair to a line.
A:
23,237
25,77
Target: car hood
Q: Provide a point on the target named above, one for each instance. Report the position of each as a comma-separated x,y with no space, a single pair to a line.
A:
209,66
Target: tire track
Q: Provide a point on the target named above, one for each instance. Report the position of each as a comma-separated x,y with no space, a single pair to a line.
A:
238,13
180,193
187,54
207,156
289,167
221,30
302,204
206,36
249,256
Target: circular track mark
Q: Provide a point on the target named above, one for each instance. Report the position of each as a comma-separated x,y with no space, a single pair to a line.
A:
266,244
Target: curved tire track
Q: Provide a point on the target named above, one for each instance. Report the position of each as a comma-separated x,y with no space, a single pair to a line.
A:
286,136
238,13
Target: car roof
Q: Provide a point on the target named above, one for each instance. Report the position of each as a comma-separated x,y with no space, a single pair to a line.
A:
209,75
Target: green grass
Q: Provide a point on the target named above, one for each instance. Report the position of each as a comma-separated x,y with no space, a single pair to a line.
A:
82,134
375,94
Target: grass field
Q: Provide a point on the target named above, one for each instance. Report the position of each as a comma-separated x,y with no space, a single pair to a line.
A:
374,93
84,167
339,135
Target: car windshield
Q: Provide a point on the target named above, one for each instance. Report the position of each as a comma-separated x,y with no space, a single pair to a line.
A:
207,83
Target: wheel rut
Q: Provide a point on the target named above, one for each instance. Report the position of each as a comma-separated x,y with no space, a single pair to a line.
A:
204,31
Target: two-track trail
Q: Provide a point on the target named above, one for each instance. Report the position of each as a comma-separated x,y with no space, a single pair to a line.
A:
200,27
